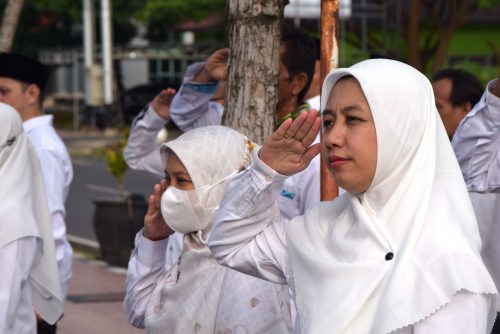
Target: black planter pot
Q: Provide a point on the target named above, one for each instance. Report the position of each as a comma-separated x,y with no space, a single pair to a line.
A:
116,222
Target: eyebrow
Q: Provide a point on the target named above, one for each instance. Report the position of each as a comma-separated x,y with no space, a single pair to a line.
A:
354,107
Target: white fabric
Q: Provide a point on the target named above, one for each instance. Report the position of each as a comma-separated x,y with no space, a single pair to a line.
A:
57,173
24,212
416,208
247,208
16,307
476,144
197,294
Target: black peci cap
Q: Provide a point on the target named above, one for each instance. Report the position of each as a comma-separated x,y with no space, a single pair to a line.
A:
23,69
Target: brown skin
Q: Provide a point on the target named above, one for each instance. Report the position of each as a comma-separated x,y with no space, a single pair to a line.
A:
315,88
22,97
348,132
161,103
450,115
349,135
496,90
176,176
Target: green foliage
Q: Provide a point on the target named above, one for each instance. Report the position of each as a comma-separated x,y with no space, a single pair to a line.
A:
55,23
117,166
171,12
116,163
483,73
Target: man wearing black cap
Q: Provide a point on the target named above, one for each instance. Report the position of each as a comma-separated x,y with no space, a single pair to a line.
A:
22,85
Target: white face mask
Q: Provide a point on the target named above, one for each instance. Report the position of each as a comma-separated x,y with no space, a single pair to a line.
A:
187,211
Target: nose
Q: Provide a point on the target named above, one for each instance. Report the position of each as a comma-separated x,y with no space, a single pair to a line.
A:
335,136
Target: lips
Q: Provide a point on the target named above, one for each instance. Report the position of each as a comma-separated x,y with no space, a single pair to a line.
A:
336,161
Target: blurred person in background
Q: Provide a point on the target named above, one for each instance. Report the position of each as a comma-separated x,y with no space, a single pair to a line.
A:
22,85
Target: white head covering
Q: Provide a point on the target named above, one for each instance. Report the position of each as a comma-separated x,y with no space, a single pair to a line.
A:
24,212
416,209
198,294
211,154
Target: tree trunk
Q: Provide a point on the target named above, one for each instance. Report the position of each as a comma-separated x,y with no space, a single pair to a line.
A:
252,92
414,57
9,24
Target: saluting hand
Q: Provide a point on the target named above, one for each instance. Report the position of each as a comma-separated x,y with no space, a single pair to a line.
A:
161,103
288,150
154,225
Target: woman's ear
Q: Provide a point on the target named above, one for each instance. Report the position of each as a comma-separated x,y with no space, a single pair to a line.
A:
298,83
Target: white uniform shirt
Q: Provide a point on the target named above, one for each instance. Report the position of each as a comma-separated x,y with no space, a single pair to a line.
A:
57,172
477,147
16,308
191,108
245,239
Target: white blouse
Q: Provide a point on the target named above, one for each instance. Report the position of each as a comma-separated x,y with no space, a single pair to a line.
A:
250,238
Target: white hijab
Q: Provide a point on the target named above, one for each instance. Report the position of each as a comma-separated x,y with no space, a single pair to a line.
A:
24,212
198,295
416,208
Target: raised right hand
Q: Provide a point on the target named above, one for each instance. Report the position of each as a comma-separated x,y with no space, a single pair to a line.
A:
155,227
290,148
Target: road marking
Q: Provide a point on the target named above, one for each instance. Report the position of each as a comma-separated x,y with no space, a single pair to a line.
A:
107,190
83,241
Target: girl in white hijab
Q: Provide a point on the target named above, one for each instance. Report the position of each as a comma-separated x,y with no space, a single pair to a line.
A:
29,280
399,252
186,291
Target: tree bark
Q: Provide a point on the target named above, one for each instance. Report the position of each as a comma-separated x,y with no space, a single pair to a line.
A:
255,28
414,57
9,24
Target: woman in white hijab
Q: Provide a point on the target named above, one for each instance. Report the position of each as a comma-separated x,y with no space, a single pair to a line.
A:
186,291
29,280
399,252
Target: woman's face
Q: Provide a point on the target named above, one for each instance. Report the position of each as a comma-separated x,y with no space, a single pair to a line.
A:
349,139
176,174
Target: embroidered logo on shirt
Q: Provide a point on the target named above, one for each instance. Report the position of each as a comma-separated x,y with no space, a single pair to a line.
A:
287,194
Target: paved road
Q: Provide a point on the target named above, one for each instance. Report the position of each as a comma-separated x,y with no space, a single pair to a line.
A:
91,181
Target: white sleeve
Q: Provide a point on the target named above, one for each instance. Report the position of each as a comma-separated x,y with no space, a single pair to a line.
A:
191,107
53,171
142,151
248,234
467,313
145,267
15,301
477,144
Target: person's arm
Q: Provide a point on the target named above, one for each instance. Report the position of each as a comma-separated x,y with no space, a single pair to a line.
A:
467,313
248,234
477,143
145,267
142,151
17,260
148,261
192,106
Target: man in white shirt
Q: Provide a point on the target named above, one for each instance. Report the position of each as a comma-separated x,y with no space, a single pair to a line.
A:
22,84
476,143
193,106
456,91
